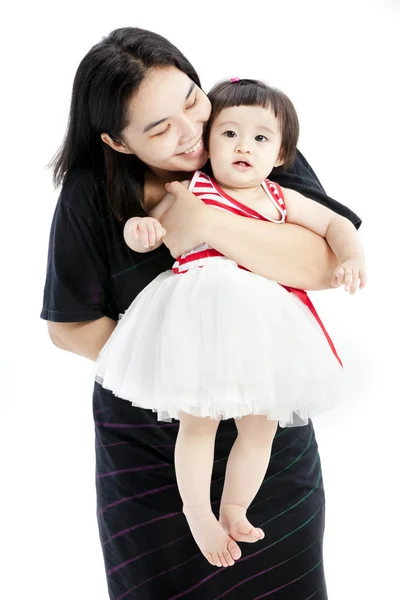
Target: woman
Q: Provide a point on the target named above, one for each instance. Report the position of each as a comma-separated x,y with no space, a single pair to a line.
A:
136,122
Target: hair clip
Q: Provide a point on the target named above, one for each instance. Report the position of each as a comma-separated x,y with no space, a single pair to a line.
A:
235,79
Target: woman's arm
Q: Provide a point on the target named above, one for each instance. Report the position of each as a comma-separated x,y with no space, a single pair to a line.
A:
85,339
289,254
338,231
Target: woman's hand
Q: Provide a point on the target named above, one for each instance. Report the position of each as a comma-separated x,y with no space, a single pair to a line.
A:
185,222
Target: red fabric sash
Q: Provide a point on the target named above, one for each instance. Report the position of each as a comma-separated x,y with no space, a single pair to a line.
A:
302,295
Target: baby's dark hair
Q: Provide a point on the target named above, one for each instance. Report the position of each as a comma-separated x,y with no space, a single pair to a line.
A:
251,92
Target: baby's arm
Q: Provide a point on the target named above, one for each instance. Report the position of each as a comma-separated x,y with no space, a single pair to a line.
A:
143,234
338,231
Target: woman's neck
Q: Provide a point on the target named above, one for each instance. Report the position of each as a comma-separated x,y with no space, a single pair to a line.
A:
162,177
154,185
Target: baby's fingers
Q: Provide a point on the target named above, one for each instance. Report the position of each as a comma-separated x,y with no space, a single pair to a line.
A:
355,282
160,231
143,233
152,234
337,280
348,278
363,279
133,228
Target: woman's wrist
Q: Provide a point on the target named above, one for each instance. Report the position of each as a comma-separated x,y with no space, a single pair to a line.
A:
208,224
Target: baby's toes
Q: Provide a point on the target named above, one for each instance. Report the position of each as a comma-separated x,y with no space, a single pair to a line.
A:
228,558
216,559
255,532
234,550
210,558
243,527
243,531
221,556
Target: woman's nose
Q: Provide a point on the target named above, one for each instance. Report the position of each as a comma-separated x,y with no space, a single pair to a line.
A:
189,130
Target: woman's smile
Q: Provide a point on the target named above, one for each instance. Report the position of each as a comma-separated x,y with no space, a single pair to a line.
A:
195,150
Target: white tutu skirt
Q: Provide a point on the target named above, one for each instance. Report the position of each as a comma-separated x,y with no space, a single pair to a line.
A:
220,342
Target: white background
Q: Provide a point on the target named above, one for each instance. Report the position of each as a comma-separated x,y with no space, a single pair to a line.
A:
339,62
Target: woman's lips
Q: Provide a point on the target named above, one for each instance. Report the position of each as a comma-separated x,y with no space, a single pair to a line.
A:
194,151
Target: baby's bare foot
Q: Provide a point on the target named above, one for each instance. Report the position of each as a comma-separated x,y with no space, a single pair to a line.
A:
232,518
215,544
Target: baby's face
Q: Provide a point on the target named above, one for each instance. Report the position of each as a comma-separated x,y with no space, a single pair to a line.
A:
244,146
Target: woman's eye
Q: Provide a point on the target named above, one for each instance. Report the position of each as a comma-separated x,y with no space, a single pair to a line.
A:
229,134
162,132
261,138
194,103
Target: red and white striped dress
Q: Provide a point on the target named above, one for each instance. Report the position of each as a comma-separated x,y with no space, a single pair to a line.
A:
210,192
212,339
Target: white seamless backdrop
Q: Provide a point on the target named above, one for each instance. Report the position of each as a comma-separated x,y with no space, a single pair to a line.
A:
338,61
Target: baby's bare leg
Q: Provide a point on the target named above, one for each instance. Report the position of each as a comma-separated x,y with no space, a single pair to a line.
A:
194,456
245,471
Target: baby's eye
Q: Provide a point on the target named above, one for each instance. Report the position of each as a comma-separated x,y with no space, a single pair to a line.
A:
229,134
261,138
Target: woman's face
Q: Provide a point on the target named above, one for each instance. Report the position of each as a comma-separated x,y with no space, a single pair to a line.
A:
166,121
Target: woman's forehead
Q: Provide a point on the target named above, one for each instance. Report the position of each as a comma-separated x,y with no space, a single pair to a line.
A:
162,94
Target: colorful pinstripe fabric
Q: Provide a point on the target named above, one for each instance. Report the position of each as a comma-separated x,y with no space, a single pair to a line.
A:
150,554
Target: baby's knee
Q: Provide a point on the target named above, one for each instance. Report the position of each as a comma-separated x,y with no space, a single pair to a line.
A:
199,426
256,428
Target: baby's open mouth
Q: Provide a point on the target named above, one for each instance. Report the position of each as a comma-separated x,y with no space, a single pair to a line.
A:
242,164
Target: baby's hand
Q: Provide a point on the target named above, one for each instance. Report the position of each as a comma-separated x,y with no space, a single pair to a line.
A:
352,274
146,229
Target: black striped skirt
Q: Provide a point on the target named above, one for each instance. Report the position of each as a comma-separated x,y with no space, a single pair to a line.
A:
148,550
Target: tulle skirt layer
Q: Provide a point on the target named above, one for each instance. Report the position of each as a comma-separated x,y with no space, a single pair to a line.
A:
220,342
